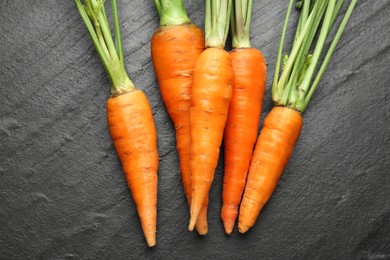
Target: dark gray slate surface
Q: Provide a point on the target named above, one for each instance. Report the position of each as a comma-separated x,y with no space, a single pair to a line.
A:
62,191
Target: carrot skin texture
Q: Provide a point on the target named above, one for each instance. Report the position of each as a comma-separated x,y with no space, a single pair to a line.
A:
240,134
211,94
175,49
274,147
133,132
174,53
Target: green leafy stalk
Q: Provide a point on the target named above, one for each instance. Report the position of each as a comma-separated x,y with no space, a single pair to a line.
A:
303,59
295,88
329,54
241,23
304,87
305,5
339,4
217,22
294,52
171,12
280,51
118,39
94,16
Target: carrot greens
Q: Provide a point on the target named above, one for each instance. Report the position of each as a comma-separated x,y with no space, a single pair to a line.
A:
296,86
241,23
111,54
171,12
217,22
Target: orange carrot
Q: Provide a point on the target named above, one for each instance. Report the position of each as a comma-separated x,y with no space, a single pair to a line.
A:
129,116
280,131
244,111
175,47
132,130
211,94
291,93
241,127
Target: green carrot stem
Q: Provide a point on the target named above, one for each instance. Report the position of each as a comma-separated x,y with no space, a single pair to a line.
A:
329,53
291,59
217,22
280,51
240,23
118,39
158,7
305,5
295,87
95,19
304,87
99,48
107,35
303,59
171,12
339,4
299,26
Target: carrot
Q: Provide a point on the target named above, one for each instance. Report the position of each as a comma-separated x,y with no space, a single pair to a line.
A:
280,131
244,111
211,94
129,116
175,47
291,93
132,130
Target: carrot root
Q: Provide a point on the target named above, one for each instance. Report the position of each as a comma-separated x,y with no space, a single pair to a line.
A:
241,127
175,49
201,223
133,132
211,94
274,147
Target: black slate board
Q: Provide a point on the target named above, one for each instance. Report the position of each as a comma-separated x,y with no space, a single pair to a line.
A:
62,191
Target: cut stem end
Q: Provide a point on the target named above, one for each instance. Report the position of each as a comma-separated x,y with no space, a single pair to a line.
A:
171,12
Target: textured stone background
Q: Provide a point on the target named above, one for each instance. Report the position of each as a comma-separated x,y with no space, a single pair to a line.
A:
62,191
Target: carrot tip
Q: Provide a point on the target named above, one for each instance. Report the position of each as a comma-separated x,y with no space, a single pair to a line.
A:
202,230
243,228
228,225
202,233
151,241
192,224
194,216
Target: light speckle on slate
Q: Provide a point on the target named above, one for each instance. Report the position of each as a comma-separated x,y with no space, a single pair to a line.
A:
62,191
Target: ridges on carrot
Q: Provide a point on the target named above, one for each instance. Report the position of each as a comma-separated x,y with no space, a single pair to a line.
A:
133,133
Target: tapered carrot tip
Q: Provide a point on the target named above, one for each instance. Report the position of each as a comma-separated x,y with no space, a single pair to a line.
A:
201,223
192,222
194,214
243,228
202,230
151,240
228,225
202,227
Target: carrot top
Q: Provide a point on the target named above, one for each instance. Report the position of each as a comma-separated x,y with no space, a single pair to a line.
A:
217,22
241,23
295,87
111,55
171,12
